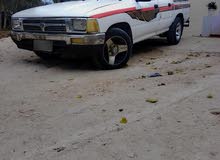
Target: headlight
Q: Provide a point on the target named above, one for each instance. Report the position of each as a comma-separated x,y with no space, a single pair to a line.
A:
16,24
79,24
85,25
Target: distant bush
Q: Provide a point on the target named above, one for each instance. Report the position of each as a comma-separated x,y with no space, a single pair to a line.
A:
212,5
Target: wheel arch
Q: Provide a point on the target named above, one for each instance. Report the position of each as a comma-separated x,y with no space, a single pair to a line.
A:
124,26
180,15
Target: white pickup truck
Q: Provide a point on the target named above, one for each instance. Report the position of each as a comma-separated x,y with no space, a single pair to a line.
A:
104,30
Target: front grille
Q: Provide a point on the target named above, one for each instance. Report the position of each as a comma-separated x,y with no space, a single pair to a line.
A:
55,28
50,21
45,25
32,28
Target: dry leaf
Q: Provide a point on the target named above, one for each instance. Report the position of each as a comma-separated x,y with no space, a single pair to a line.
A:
152,100
123,120
210,96
79,96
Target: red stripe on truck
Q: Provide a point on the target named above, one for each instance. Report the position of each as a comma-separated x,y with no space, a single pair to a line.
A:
148,9
105,14
161,9
167,8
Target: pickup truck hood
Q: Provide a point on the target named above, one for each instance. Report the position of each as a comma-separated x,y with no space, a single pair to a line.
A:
66,9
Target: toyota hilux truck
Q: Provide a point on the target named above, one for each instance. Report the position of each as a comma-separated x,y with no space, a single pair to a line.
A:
104,30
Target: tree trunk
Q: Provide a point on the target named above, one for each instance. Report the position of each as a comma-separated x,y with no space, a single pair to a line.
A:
5,21
0,20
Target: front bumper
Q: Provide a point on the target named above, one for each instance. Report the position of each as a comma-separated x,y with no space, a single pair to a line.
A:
84,39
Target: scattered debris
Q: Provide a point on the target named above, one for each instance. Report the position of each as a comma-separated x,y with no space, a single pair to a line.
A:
213,153
142,89
148,63
123,120
170,73
187,58
79,96
190,55
216,113
207,66
194,54
143,77
121,110
119,129
151,75
179,70
208,55
161,84
159,118
176,62
59,149
152,100
132,155
70,79
154,68
140,60
210,96
26,111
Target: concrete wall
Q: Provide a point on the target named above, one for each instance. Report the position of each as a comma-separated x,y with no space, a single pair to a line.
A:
198,10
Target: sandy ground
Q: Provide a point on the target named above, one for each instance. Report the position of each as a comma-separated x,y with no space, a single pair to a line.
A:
66,110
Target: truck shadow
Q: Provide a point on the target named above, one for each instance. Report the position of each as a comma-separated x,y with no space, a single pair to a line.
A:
148,45
139,49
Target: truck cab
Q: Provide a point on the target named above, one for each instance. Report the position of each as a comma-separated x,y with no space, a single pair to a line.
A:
104,30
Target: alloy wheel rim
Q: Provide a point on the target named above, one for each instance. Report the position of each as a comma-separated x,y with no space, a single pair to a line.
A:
178,31
115,50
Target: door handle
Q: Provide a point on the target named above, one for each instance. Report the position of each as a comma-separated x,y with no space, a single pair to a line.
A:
156,6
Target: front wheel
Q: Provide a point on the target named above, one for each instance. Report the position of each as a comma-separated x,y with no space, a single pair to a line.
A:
116,50
174,34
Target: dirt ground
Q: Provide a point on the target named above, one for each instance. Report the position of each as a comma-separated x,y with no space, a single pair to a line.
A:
4,34
67,110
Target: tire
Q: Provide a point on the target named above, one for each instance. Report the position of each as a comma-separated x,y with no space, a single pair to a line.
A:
47,56
115,52
175,32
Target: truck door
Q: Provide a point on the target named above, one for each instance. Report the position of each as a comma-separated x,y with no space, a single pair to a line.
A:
147,18
166,13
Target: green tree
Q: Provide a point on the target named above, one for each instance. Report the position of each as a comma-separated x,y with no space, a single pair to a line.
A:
8,7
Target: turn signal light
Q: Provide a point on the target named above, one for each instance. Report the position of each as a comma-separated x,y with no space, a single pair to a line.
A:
77,40
92,26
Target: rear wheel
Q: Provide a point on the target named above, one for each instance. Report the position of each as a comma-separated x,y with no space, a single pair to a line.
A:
46,55
116,50
174,34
